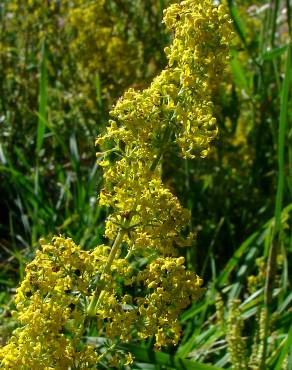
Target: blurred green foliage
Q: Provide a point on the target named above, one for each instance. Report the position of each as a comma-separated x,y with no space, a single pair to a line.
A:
80,60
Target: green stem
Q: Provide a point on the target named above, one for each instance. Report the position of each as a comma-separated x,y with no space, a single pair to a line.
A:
166,136
98,296
96,299
116,246
275,242
108,350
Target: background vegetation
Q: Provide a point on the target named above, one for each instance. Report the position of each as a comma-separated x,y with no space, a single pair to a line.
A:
62,66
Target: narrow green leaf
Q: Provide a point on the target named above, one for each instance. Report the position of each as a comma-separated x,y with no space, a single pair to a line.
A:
233,262
198,341
161,7
74,148
98,89
274,53
42,98
238,73
160,358
238,24
285,350
9,283
281,143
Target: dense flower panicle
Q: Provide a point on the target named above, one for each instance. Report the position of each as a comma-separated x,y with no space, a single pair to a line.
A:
49,299
176,106
171,290
155,215
139,286
180,97
52,298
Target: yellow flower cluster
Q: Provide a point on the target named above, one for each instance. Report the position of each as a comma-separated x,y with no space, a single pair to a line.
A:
138,287
49,304
176,108
179,99
100,47
170,289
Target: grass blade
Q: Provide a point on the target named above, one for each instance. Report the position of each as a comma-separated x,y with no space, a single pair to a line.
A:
274,246
285,350
238,72
164,359
274,53
238,24
281,143
42,99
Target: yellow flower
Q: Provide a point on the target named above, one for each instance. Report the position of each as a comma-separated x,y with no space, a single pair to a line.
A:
64,285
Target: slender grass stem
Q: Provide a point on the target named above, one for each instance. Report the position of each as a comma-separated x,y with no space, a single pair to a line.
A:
108,350
276,235
42,112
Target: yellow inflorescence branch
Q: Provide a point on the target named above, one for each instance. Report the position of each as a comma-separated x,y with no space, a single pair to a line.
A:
138,288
